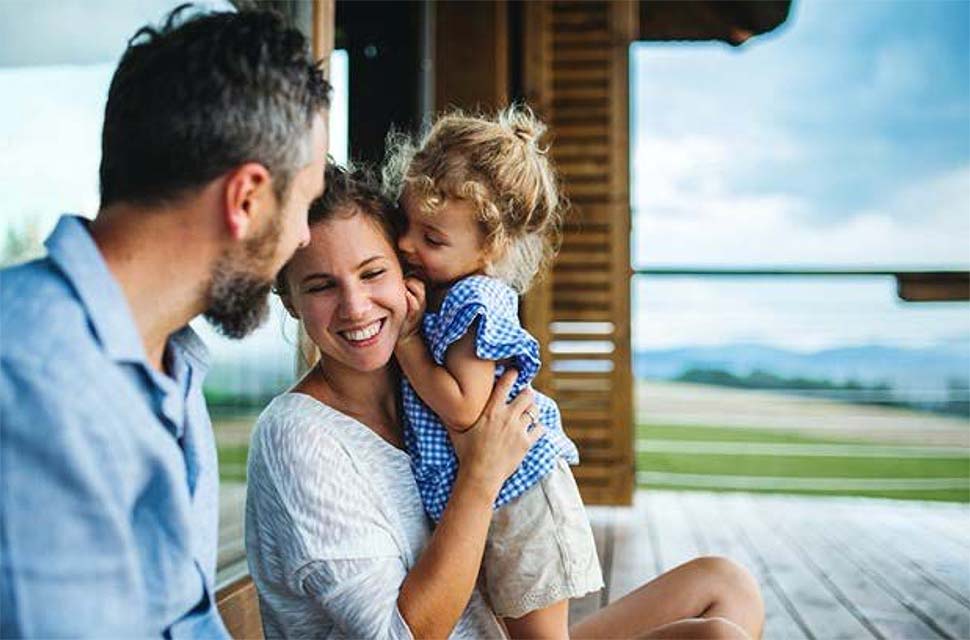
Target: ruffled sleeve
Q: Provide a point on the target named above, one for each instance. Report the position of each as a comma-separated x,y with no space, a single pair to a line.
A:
490,307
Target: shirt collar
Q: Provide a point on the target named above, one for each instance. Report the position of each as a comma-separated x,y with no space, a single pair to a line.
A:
187,342
71,247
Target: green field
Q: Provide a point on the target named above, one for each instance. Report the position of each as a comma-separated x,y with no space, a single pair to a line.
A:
784,462
232,463
898,471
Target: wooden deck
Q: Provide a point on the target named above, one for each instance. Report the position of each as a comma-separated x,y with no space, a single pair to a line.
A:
828,567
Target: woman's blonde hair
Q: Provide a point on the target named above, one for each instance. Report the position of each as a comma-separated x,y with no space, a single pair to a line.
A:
497,165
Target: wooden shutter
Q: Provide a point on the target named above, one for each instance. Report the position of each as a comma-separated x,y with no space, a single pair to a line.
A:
576,74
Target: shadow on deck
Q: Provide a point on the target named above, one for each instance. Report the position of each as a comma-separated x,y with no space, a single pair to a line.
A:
828,567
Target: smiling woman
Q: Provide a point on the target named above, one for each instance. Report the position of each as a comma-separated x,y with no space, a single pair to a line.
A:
336,535
353,313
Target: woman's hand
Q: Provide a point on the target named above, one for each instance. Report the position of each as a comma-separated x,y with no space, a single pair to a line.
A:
491,450
439,585
417,302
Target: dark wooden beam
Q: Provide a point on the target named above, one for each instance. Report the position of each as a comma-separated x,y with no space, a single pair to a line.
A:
730,21
937,286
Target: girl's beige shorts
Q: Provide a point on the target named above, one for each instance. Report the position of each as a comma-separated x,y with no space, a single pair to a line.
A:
540,548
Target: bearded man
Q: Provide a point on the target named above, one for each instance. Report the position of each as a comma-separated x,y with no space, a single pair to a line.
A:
213,146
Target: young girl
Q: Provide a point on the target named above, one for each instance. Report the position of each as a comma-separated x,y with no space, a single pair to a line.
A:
482,219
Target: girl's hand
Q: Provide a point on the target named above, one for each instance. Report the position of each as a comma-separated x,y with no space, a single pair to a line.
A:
492,449
417,302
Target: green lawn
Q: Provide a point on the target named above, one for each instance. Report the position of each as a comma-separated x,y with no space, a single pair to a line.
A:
758,470
740,470
725,434
232,463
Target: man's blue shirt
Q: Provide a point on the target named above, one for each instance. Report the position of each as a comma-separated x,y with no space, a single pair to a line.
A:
108,473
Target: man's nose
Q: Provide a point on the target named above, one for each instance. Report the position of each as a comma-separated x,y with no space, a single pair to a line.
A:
304,236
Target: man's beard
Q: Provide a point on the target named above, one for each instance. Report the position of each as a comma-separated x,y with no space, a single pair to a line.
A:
238,297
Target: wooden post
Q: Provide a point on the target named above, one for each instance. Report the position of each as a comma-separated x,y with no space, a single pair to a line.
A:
624,19
322,30
322,34
471,54
537,90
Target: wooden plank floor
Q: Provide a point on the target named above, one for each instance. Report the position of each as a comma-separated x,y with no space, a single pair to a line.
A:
828,567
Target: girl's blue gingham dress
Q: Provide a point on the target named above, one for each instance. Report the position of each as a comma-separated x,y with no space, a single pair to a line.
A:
489,307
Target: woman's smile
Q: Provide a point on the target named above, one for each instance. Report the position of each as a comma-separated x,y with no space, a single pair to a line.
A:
365,335
348,290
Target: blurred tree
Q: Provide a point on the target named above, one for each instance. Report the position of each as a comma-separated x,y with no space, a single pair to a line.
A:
21,243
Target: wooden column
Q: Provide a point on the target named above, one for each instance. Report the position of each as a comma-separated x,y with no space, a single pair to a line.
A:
537,92
576,73
322,38
471,54
322,30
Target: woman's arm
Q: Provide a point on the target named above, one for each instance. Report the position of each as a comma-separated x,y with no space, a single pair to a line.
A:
439,586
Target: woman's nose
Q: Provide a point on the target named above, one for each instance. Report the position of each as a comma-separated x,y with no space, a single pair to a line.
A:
354,303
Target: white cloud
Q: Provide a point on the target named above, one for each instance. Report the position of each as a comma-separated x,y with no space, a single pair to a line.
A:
689,213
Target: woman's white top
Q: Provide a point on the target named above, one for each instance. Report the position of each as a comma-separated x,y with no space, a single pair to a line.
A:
334,523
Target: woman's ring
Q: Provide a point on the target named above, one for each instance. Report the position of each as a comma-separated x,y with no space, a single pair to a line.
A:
532,416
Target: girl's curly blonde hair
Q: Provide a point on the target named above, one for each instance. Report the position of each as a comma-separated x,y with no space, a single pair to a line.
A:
497,165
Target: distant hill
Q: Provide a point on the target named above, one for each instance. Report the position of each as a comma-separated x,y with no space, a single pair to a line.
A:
918,374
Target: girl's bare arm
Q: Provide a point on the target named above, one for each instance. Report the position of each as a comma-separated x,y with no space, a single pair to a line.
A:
457,391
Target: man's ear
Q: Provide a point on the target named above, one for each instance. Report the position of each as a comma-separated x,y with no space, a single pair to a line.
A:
248,196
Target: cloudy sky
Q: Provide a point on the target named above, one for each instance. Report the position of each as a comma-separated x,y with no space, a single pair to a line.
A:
842,139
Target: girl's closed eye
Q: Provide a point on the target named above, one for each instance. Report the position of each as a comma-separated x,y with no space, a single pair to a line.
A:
434,242
370,275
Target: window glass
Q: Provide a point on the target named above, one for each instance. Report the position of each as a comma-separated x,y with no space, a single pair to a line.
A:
839,141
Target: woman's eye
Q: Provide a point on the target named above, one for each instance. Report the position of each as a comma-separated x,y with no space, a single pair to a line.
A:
372,274
320,287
